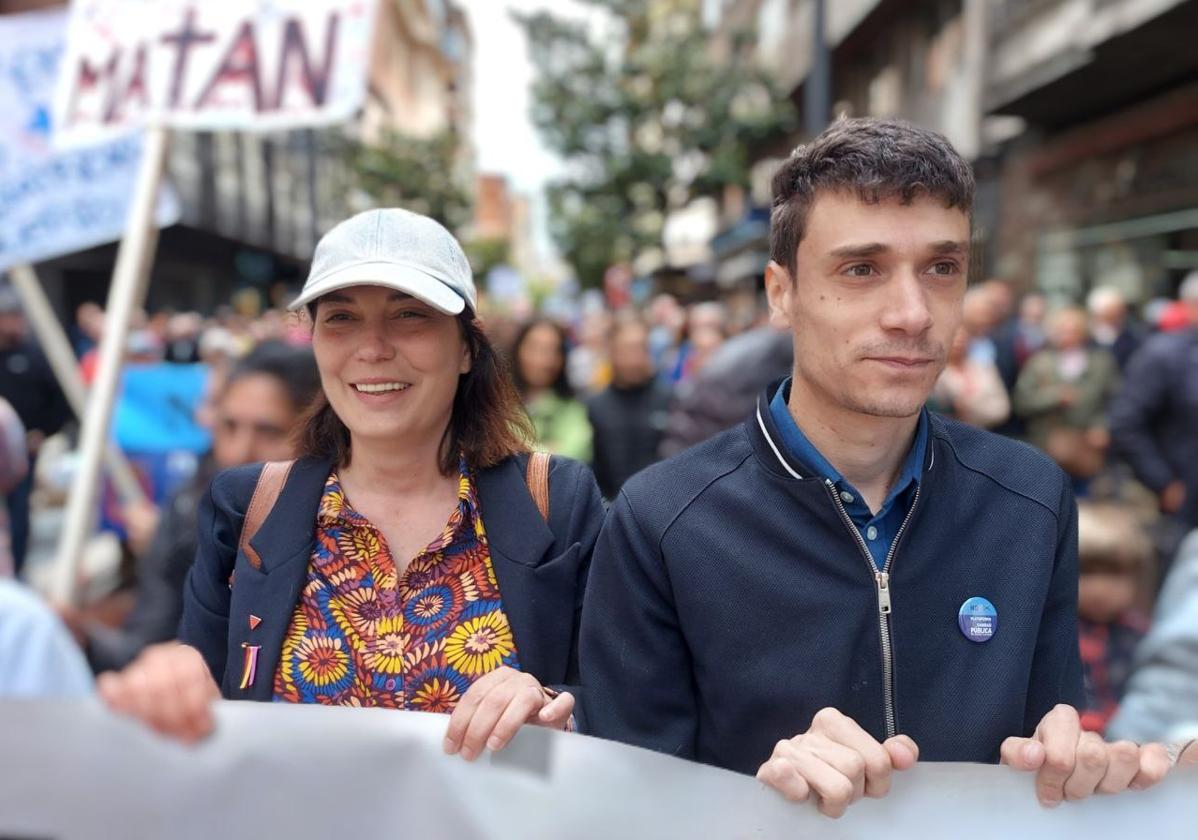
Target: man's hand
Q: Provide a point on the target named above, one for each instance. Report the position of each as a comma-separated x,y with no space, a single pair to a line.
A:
1072,764
495,707
1189,754
836,760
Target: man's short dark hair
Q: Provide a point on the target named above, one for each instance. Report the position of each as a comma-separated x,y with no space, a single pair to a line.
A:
876,159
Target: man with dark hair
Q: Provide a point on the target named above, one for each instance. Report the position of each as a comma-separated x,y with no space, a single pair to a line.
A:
844,565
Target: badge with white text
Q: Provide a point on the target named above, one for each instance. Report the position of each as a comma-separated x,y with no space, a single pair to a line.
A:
978,619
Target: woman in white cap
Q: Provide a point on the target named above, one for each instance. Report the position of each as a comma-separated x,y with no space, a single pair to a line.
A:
416,556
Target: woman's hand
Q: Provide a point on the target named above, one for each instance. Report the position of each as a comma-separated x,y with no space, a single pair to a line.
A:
497,705
168,688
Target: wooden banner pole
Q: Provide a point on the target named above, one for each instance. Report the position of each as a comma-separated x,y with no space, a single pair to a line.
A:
53,341
125,295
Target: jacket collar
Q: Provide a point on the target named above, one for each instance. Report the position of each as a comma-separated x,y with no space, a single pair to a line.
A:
514,526
282,536
520,542
773,453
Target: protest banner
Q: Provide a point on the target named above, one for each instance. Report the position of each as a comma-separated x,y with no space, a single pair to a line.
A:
274,770
251,66
55,203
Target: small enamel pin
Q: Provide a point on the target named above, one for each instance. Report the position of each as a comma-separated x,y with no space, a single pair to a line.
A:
249,668
254,621
978,620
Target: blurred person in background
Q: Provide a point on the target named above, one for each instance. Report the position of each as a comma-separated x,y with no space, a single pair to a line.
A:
1111,327
980,319
970,390
539,370
724,391
14,466
1021,338
29,386
37,657
706,329
1063,394
256,416
1161,699
667,320
183,338
703,343
88,327
1114,560
1155,415
588,367
370,579
628,417
218,350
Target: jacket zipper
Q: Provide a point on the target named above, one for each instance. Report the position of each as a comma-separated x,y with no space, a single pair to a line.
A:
882,586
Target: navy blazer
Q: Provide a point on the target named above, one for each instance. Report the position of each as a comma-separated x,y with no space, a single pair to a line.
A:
541,567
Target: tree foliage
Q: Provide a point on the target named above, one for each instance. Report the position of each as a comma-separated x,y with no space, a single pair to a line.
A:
648,116
416,174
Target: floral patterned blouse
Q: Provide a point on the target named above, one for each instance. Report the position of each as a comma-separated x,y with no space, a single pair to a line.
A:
363,636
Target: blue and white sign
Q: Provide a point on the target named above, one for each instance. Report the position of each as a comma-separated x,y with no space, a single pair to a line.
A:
53,204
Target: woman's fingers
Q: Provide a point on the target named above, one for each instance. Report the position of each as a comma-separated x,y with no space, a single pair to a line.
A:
557,712
526,700
463,713
496,706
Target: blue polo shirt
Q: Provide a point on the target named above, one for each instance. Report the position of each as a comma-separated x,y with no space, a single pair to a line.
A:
877,529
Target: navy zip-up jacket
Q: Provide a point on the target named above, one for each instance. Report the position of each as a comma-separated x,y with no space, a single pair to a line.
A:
729,600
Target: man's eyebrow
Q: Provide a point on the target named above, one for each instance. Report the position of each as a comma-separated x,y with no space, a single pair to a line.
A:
950,246
873,249
868,249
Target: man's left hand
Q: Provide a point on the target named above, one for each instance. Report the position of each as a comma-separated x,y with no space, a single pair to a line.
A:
1072,764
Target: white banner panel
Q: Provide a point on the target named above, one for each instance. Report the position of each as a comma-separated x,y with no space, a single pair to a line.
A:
53,204
72,771
212,64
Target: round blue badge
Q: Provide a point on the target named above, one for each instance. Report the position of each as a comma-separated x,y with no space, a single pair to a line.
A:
978,619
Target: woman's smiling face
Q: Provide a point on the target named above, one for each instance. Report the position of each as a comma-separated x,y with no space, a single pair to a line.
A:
389,363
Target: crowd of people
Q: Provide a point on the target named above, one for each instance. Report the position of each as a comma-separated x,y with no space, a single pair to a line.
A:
1112,398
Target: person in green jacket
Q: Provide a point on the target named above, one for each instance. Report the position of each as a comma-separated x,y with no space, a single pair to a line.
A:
539,368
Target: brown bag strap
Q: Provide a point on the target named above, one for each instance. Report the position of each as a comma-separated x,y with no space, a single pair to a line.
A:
266,493
537,478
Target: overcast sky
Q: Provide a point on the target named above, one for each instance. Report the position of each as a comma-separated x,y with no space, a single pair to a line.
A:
504,139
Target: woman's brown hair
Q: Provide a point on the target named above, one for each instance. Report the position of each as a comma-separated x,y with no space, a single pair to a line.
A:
487,425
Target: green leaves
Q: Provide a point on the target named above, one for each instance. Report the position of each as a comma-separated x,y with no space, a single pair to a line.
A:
418,174
648,115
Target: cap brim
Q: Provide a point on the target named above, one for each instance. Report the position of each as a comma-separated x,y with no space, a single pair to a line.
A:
390,275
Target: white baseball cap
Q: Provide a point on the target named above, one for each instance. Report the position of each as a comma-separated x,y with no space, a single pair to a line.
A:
395,248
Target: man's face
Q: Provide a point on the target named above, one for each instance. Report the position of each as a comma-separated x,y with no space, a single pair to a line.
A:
12,328
630,361
875,300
